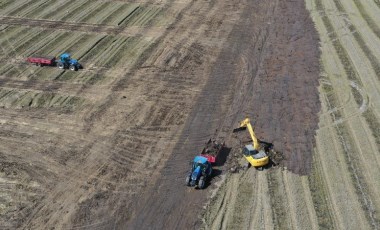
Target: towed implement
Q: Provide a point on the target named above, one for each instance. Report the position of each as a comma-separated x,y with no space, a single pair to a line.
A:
259,154
211,150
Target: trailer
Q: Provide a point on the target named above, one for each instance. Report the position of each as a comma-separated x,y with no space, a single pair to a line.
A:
42,61
212,149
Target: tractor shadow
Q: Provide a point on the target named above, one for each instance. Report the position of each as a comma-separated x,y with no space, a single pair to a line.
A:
222,157
215,173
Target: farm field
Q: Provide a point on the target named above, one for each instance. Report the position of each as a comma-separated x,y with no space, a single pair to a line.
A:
108,146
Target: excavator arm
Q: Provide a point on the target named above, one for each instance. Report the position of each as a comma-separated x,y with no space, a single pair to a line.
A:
246,123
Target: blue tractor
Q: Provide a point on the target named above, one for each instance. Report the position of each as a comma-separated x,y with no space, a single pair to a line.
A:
201,171
66,62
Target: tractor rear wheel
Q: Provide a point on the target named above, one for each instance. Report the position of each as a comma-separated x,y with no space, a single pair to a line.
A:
201,183
61,65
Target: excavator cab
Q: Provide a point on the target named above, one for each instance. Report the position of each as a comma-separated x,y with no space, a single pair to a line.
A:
254,153
257,158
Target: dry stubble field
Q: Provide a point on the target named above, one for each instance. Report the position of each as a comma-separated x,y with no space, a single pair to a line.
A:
108,146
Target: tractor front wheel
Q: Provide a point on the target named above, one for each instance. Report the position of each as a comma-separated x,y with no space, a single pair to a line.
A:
73,68
201,183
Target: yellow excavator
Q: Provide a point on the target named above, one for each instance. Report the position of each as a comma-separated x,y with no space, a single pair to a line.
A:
256,154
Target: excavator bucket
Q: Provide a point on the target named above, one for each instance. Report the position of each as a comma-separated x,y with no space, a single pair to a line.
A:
239,129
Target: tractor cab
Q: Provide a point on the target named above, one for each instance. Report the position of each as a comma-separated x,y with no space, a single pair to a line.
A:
200,171
65,57
202,166
65,61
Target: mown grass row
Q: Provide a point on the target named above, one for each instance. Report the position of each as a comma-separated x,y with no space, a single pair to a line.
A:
16,98
377,2
374,125
342,129
142,16
340,50
113,13
43,7
74,11
368,114
360,183
95,12
5,4
363,45
318,191
16,7
317,184
53,10
11,35
241,208
117,16
345,139
277,200
371,23
30,6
